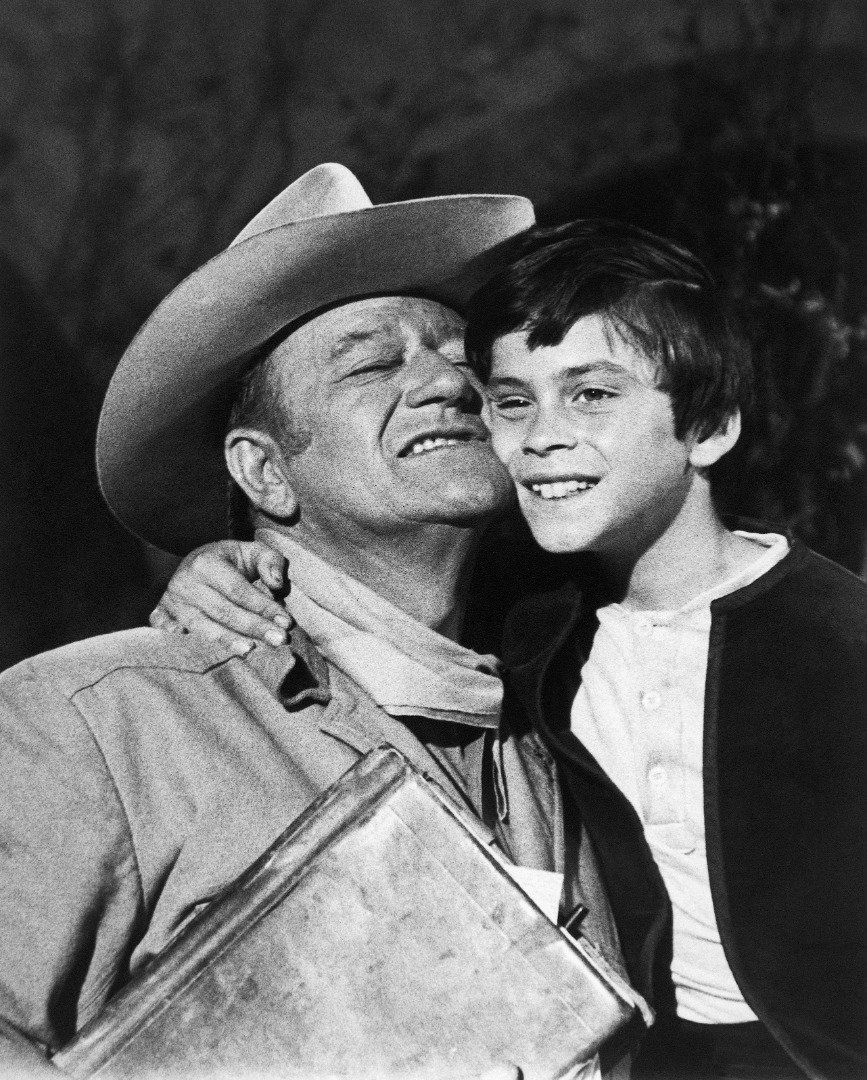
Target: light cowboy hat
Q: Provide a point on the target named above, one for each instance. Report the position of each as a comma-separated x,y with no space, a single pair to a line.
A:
320,241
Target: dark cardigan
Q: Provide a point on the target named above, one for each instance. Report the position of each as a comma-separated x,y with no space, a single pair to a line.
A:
784,790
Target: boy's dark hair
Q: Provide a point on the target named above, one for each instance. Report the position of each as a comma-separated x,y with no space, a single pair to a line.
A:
658,297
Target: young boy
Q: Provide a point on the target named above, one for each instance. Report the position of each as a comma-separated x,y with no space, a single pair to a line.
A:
701,687
707,699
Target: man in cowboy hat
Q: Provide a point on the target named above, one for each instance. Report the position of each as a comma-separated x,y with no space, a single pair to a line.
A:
319,358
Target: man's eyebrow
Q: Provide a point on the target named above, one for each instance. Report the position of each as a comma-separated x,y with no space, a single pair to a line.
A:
357,337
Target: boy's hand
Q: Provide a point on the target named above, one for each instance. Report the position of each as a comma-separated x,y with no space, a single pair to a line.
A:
211,593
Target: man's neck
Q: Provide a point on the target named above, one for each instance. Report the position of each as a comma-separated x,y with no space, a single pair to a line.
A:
694,553
425,573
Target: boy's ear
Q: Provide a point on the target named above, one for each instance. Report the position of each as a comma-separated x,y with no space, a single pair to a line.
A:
254,460
705,452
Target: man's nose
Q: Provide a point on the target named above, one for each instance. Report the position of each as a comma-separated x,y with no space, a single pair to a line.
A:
549,431
437,380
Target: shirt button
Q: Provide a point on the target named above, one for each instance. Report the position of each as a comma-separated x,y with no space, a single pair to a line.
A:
651,700
657,776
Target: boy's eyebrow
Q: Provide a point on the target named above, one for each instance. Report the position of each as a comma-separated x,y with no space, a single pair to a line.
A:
497,380
591,367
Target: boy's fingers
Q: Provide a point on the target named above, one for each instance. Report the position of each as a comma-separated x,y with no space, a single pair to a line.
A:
242,594
254,559
224,579
161,620
208,594
213,615
196,623
240,646
267,564
212,631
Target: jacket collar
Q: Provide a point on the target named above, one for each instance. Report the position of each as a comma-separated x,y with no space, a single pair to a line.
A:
298,675
795,556
295,673
538,635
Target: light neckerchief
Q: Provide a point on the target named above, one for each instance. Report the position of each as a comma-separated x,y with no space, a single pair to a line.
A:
407,668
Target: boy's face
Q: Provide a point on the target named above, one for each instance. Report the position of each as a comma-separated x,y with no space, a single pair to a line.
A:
588,440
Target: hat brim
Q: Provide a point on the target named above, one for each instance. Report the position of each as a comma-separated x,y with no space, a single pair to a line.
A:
160,439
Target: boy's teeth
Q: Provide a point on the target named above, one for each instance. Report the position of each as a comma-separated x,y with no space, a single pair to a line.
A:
431,444
561,488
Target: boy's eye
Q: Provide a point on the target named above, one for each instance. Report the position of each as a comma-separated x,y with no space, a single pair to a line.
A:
592,395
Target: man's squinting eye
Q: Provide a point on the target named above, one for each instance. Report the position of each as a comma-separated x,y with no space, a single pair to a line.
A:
381,362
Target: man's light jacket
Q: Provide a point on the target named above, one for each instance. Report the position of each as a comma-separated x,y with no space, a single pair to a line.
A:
142,772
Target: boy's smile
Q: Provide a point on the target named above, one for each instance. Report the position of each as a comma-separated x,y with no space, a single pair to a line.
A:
588,439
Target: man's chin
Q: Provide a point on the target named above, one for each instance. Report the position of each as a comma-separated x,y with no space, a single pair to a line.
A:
460,505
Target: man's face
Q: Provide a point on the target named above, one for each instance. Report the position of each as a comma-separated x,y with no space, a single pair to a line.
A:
391,412
588,440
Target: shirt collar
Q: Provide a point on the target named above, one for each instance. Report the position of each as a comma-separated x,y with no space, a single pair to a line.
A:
771,548
407,668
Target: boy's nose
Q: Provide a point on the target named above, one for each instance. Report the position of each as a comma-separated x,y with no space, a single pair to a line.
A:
549,432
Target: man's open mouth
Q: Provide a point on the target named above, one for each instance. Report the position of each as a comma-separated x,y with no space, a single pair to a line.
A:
424,444
560,489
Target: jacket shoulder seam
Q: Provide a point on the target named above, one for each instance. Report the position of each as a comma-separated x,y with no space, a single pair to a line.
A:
90,682
118,799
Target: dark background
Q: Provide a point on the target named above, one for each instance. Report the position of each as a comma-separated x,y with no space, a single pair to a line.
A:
136,138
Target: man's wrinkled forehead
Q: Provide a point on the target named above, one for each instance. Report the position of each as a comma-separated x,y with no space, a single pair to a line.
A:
383,318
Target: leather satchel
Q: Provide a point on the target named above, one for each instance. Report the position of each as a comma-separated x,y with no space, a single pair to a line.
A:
379,936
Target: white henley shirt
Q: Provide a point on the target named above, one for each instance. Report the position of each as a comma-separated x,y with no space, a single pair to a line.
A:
640,713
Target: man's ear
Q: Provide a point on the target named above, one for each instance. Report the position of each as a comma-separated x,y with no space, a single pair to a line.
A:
257,467
705,452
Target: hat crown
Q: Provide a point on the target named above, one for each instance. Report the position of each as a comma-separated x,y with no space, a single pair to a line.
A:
328,189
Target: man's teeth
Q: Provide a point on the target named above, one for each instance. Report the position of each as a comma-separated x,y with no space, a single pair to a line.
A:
432,444
561,488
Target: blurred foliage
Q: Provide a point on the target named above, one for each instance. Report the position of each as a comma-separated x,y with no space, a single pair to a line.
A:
398,133
67,570
146,133
802,462
782,219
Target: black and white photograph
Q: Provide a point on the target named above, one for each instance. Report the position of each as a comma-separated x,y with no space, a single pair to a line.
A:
433,534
